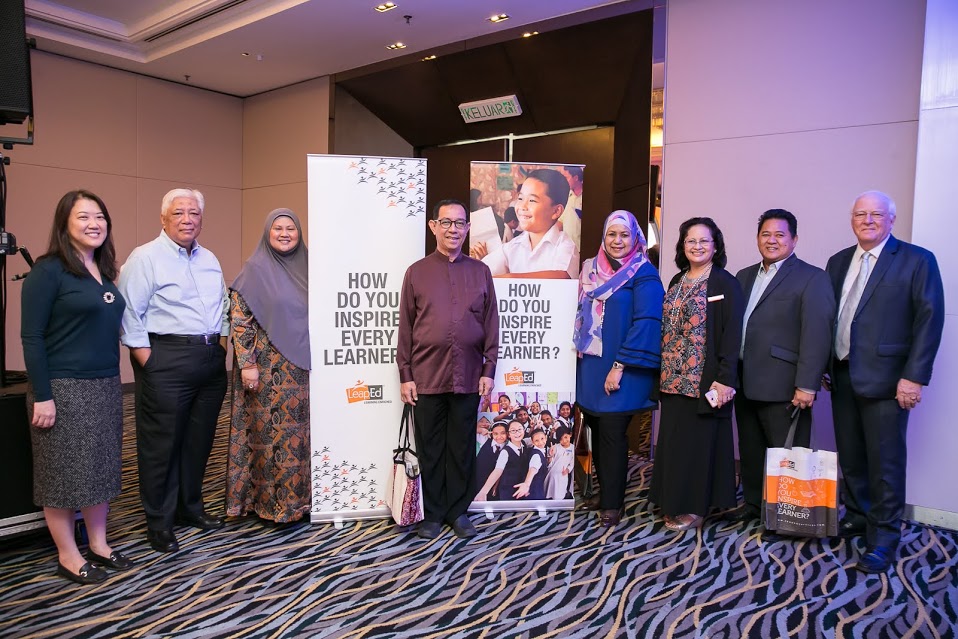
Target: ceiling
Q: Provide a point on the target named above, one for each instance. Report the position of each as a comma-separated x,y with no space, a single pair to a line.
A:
201,42
571,77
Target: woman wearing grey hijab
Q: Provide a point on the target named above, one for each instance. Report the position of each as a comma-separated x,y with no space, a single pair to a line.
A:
268,471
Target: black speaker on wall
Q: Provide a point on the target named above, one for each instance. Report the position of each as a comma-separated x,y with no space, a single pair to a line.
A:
16,91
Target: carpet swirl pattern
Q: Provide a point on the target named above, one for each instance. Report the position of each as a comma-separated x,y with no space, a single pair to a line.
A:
526,575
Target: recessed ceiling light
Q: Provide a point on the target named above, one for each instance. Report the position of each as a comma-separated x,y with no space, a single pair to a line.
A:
529,34
245,54
395,45
386,6
429,57
499,18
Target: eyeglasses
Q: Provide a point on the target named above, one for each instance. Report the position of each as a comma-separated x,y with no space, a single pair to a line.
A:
861,216
690,242
447,223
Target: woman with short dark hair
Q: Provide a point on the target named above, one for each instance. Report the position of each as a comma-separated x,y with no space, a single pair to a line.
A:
702,315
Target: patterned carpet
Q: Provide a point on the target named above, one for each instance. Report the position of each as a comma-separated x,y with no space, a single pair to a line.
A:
525,575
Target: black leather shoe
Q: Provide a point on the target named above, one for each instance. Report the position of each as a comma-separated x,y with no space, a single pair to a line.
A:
202,521
89,574
877,559
162,540
117,560
848,528
429,529
744,515
463,527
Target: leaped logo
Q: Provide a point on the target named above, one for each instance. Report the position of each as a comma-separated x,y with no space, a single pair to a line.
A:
786,463
515,376
363,392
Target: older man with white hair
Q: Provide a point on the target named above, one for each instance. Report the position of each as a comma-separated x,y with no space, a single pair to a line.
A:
175,325
891,310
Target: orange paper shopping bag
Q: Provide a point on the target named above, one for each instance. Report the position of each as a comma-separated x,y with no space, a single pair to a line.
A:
800,495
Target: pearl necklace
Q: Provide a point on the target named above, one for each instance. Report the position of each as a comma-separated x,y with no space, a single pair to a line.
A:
692,285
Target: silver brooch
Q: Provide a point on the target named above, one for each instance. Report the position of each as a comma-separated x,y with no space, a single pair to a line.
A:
108,297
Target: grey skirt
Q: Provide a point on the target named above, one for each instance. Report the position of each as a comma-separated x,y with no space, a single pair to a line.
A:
76,463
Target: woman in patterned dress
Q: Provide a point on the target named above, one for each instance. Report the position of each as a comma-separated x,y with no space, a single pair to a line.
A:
702,314
268,470
70,328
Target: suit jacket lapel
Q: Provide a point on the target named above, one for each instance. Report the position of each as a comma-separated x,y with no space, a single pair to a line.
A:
838,277
784,268
750,276
881,267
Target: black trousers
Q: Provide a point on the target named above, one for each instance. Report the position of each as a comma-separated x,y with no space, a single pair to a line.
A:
763,425
446,446
870,436
610,452
179,394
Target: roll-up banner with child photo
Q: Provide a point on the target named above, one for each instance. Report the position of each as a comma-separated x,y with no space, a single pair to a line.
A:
525,225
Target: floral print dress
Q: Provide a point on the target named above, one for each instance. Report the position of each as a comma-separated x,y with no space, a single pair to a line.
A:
683,338
268,470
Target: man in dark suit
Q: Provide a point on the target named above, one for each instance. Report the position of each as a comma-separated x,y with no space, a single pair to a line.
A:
891,310
785,350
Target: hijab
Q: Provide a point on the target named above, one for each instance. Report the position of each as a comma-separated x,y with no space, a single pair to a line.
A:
274,286
602,276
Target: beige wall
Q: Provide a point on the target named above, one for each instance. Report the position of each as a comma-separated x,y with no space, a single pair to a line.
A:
280,129
129,139
791,105
932,437
356,131
798,105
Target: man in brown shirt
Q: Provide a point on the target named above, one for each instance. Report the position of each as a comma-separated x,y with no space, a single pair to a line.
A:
448,346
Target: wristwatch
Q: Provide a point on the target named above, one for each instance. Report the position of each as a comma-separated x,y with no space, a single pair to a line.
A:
618,366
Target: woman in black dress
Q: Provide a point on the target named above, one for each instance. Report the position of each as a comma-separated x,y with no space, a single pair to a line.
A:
694,469
70,328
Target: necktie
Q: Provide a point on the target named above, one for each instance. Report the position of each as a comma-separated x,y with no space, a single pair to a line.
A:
843,336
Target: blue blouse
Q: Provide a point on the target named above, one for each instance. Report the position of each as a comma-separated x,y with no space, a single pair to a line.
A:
631,335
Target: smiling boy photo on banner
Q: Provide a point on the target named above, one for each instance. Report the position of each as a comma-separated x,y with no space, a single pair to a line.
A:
525,227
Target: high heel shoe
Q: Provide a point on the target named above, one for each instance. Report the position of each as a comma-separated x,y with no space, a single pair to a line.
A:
680,523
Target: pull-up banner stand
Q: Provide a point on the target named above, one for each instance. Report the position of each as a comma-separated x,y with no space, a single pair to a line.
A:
366,218
526,229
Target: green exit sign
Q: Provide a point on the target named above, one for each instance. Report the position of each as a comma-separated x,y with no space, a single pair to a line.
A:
492,109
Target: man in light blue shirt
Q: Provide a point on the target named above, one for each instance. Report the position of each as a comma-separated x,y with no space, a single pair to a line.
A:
175,325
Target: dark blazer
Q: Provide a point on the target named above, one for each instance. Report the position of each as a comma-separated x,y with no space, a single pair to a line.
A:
788,340
723,336
897,327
